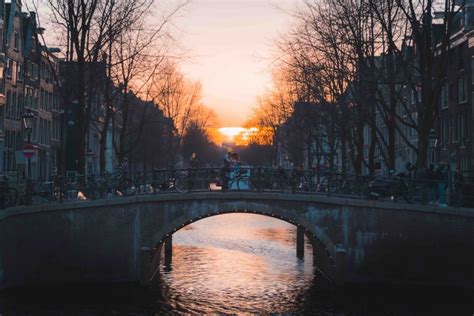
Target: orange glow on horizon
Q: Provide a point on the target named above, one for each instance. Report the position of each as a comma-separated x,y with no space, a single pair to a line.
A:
240,136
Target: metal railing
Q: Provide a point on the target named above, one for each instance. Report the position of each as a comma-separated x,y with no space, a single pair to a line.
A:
458,192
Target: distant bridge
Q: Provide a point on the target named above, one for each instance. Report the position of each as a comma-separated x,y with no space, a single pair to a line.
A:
119,240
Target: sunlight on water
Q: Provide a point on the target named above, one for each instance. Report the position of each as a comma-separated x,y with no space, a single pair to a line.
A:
237,263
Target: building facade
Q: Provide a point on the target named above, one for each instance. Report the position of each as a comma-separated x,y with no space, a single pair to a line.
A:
2,83
29,86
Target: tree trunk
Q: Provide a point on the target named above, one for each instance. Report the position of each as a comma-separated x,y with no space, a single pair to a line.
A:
343,153
373,144
103,143
125,121
423,146
82,117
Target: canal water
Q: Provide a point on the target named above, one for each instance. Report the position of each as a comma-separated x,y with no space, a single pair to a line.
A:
237,264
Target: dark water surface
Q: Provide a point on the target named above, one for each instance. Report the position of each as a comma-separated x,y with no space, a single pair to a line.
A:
237,264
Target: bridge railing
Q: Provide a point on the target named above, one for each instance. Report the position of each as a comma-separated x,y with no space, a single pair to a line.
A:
455,191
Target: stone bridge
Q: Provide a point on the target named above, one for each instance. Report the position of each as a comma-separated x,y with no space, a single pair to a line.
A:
119,240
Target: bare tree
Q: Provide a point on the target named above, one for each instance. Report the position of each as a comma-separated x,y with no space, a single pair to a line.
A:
180,100
88,25
417,36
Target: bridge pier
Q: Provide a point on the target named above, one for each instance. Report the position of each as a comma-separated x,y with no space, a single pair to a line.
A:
340,265
300,242
168,250
145,265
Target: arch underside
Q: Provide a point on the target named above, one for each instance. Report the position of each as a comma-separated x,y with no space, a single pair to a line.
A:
322,247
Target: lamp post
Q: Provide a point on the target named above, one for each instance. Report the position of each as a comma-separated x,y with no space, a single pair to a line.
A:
28,118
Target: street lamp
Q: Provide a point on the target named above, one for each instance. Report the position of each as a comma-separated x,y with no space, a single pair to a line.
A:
28,119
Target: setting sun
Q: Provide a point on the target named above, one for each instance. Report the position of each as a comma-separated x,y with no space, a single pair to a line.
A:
231,132
239,136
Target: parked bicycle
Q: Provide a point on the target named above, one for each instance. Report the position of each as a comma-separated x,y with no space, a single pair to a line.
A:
393,187
8,194
170,180
233,179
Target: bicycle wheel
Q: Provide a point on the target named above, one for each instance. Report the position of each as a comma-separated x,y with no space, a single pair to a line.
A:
181,184
256,184
243,183
11,197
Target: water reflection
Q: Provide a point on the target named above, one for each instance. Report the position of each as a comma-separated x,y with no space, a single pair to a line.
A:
236,263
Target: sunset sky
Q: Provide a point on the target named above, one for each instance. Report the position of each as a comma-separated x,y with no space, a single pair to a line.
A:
230,42
228,45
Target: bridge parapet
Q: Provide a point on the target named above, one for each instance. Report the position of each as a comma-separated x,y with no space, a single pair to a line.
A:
242,179
246,195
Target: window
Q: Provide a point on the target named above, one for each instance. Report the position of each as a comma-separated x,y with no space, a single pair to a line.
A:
464,166
19,72
56,101
460,57
452,92
9,68
444,97
28,98
34,71
35,98
50,101
462,89
41,105
14,74
34,133
16,41
48,136
448,131
454,129
55,129
462,123
469,14
8,105
467,131
416,95
2,108
442,132
41,131
29,70
20,107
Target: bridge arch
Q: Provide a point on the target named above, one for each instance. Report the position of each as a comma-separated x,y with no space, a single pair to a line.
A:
323,247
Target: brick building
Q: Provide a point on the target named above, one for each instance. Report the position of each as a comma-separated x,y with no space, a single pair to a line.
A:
29,85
